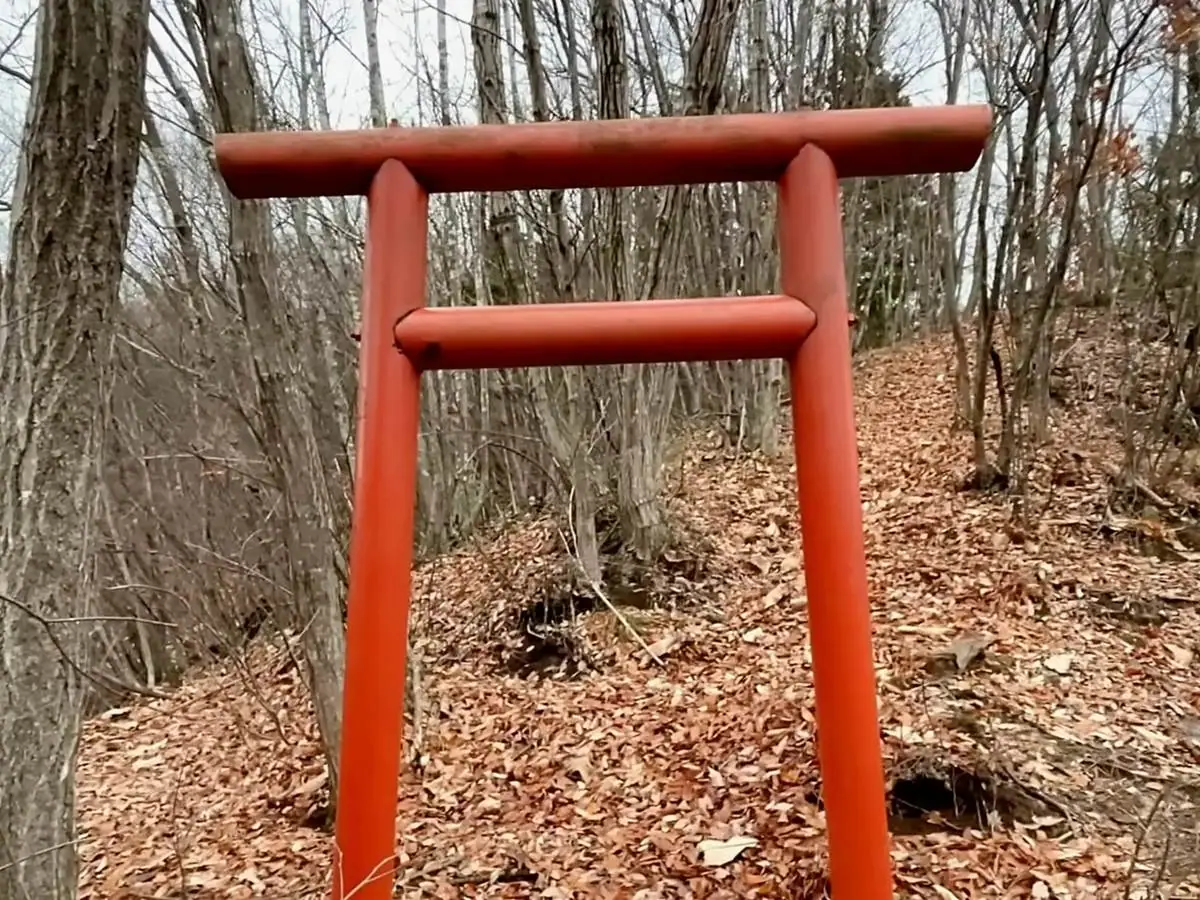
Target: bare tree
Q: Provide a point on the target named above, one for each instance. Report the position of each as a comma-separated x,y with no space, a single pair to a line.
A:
954,23
1152,278
374,69
284,412
1052,167
58,302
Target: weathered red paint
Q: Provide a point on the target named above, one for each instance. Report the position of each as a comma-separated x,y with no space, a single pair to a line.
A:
597,334
609,153
807,152
835,572
381,541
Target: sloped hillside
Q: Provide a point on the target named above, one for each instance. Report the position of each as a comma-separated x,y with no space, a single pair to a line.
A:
1037,691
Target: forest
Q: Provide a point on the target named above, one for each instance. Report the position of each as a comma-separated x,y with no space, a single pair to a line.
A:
608,661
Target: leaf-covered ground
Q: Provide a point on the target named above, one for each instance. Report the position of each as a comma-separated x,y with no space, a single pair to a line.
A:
1039,709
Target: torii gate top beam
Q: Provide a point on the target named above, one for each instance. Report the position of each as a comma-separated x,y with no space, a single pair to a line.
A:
605,153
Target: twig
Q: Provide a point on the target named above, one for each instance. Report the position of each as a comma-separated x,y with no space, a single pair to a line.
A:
1166,792
594,585
385,868
36,853
1162,866
599,592
80,620
595,588
100,680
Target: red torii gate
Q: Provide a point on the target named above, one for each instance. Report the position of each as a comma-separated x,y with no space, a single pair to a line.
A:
807,325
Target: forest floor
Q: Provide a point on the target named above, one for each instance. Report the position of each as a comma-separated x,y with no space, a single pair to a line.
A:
1040,713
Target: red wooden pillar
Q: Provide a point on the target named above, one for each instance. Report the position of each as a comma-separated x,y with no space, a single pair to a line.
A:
813,270
381,542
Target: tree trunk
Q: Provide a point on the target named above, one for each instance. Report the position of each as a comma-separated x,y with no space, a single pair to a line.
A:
954,17
766,376
286,428
57,305
374,69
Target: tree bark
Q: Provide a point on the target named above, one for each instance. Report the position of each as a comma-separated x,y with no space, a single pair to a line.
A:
58,302
285,427
374,69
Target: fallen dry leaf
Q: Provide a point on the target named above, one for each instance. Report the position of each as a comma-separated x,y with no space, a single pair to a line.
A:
774,595
608,782
721,853
1059,663
1181,657
665,644
968,647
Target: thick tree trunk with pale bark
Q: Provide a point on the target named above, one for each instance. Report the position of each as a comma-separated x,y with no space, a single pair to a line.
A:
57,305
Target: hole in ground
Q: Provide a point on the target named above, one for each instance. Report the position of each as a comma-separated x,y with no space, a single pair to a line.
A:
952,798
544,637
924,804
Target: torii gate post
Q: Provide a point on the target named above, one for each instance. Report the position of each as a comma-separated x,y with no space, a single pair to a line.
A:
806,324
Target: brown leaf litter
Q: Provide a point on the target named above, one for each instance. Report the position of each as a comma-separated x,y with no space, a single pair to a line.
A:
1039,711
